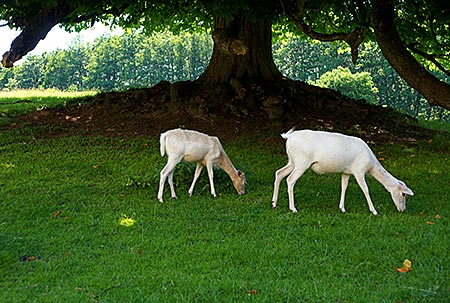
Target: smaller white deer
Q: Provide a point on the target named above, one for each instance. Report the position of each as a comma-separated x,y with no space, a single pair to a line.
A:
326,152
195,147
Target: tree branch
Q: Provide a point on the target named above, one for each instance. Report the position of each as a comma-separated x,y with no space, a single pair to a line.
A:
430,58
353,39
34,31
394,50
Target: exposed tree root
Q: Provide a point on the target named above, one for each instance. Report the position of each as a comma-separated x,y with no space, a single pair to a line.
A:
229,112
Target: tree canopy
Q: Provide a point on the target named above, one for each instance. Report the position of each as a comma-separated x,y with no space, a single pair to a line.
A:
413,35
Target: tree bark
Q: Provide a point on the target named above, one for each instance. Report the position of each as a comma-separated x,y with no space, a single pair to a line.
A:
243,51
434,90
34,31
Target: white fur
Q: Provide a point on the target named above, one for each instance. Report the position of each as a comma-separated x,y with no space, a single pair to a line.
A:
195,147
326,152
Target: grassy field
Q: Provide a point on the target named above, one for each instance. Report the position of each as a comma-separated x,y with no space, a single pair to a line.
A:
80,222
16,102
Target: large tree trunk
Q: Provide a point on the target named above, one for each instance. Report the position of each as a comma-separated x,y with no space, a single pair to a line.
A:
242,51
241,72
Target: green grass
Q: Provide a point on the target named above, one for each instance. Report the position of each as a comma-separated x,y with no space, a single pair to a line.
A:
435,124
63,202
17,102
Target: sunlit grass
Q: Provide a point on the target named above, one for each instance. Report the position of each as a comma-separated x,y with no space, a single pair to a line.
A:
42,93
126,221
19,102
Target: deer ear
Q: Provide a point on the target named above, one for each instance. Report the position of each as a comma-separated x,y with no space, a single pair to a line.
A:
408,191
240,174
405,189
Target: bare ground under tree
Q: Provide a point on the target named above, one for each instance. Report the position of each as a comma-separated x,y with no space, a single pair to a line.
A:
230,113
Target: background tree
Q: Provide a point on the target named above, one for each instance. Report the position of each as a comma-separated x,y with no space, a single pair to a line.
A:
5,77
30,73
355,85
65,68
107,68
408,33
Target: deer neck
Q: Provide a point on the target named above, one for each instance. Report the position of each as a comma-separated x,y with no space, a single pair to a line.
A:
225,163
383,176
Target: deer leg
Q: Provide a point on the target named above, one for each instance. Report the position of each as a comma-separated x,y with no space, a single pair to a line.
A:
362,183
198,170
209,167
344,184
167,171
280,175
291,180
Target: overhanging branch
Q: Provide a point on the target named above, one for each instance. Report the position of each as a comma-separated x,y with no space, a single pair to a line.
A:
353,39
34,31
430,58
394,50
37,28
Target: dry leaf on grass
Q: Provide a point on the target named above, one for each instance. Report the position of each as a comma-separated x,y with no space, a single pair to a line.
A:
407,266
27,258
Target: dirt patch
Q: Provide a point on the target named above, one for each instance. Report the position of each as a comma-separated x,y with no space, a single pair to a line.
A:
148,112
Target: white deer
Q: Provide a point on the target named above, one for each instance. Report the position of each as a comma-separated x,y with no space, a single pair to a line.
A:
326,152
195,147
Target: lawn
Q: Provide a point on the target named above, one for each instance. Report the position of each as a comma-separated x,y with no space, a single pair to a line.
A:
16,102
80,222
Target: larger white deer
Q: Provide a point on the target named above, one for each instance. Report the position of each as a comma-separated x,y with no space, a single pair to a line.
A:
326,152
195,147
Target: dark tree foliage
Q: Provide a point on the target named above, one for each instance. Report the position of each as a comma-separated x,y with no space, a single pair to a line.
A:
414,36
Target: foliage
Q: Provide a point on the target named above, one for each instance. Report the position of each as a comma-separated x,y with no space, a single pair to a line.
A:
114,63
30,74
424,28
71,230
355,85
423,23
65,69
308,61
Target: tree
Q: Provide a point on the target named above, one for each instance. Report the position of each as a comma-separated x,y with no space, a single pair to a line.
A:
356,85
106,68
64,69
413,35
30,73
5,76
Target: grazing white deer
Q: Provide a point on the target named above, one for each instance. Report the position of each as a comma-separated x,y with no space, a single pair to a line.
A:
326,152
195,147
